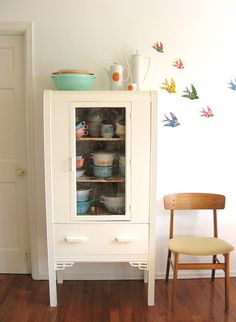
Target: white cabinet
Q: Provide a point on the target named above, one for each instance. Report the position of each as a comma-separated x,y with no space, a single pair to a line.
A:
100,180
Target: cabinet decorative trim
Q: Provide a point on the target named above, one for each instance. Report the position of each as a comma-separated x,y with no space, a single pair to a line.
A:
140,265
62,266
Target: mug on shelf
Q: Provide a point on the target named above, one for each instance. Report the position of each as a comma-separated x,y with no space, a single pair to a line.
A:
107,130
81,132
81,124
120,130
131,86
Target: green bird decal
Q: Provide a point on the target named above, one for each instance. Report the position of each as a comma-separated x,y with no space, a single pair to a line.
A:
191,94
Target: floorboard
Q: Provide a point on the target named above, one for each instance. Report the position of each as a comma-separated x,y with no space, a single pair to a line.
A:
198,300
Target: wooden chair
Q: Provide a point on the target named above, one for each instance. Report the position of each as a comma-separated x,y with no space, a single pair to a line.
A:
197,246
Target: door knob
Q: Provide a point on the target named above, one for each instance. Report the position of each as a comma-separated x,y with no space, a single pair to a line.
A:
20,172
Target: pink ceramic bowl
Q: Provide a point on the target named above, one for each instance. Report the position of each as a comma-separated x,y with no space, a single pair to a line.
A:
79,163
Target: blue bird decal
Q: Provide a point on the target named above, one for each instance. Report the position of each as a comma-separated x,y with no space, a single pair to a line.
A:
173,122
232,85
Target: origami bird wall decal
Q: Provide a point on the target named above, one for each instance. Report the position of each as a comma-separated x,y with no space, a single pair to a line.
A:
191,94
169,87
232,84
173,122
178,63
207,113
158,47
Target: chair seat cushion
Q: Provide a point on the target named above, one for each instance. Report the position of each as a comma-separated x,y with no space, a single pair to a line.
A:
201,246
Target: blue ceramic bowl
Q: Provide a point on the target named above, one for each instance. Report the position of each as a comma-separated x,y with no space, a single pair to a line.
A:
83,207
73,82
83,194
102,172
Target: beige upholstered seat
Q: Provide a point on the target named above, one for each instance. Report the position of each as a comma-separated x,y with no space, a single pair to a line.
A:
197,246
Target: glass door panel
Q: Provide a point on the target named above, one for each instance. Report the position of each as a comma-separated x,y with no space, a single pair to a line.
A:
100,154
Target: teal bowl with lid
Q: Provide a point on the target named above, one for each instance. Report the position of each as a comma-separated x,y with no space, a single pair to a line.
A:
74,82
102,171
83,207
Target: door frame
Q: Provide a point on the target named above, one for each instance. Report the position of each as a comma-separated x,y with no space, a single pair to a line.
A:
26,29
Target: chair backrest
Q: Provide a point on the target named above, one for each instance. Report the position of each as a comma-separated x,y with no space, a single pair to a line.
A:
188,201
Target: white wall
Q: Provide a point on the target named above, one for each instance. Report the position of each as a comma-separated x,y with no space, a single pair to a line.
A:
90,34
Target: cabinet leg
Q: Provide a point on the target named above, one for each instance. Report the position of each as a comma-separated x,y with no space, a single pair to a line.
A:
59,277
145,276
52,287
151,286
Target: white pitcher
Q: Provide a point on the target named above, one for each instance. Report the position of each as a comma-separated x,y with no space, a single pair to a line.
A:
138,69
116,76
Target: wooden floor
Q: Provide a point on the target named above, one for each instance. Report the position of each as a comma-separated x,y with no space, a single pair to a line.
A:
25,300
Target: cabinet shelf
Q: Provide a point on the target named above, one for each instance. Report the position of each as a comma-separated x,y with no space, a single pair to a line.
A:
94,179
100,139
102,213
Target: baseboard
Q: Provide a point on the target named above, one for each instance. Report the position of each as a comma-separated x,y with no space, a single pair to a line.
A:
134,276
194,274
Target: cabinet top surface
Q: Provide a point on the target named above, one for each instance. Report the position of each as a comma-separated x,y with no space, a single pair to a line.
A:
96,95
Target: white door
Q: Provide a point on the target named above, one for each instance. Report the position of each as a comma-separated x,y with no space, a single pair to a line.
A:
14,232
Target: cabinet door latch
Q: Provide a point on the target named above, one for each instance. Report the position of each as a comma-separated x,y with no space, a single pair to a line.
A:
71,164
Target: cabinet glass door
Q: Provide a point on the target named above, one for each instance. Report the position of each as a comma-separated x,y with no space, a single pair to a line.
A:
101,163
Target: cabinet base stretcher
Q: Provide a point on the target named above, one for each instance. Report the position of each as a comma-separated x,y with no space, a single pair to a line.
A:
56,276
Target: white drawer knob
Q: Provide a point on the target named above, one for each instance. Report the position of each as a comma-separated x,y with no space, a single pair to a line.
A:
81,239
125,239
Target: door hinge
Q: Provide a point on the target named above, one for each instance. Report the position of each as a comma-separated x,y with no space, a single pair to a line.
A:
71,164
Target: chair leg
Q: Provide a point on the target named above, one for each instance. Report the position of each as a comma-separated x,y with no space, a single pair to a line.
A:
175,275
168,265
227,281
213,271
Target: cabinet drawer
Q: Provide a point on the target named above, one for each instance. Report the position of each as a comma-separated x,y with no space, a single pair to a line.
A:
100,239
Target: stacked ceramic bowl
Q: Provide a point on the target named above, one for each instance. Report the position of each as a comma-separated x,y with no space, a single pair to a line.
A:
95,120
81,129
122,165
79,166
80,173
103,164
79,161
75,80
83,201
114,203
94,128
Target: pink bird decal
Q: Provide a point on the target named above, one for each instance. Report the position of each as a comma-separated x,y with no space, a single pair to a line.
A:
158,47
207,113
178,63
